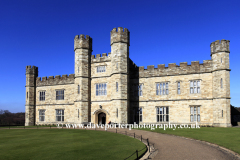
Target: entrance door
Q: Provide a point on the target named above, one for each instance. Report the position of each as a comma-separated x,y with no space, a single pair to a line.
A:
101,118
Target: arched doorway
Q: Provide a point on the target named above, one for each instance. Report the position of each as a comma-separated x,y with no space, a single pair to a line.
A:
101,118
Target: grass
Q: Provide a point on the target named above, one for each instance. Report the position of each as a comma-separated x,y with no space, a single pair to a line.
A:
226,137
66,144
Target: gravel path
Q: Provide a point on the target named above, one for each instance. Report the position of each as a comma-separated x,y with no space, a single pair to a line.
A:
174,147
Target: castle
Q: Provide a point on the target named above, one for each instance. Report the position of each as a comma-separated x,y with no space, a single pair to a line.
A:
112,88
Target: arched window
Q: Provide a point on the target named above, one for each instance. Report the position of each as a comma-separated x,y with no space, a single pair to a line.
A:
78,89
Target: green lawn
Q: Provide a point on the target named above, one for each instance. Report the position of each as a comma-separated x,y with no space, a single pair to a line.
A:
226,137
65,144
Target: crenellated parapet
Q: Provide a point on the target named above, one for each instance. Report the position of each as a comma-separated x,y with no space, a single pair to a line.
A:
172,69
80,42
120,35
104,58
32,70
57,80
220,46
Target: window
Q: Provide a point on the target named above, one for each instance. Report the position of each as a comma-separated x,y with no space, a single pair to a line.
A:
78,89
78,69
101,69
140,114
221,83
101,89
59,115
162,88
27,95
195,114
221,60
137,115
140,88
222,113
41,115
117,65
78,113
178,88
195,86
117,112
162,114
60,95
116,86
42,96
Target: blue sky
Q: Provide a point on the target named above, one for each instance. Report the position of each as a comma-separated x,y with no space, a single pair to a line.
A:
41,33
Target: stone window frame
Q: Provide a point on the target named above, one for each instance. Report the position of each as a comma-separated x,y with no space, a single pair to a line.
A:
61,96
102,91
140,110
221,83
162,87
140,89
78,89
61,115
195,111
178,86
198,87
41,115
101,68
41,95
164,114
136,113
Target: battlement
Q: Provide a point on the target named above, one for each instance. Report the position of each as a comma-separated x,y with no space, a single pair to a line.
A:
104,58
220,46
80,42
32,70
57,80
120,35
173,69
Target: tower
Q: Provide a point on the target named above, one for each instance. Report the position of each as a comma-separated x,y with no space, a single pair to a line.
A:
30,106
83,51
221,83
120,72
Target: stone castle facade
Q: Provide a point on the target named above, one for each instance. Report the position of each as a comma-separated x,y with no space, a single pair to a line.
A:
112,88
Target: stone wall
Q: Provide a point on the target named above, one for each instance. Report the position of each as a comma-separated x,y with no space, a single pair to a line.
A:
179,111
57,80
173,69
149,87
